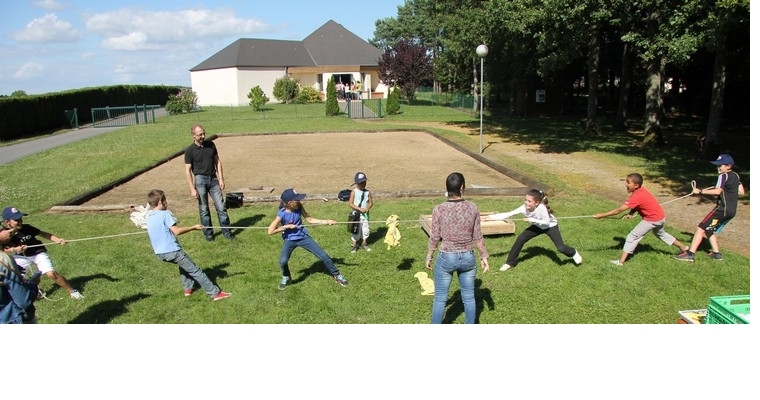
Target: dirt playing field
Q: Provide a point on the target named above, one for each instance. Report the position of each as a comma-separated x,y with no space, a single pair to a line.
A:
321,164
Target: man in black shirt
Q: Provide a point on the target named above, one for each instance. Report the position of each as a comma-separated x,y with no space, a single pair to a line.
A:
203,170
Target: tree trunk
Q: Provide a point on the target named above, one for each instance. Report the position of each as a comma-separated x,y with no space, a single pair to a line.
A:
621,118
712,139
653,129
592,128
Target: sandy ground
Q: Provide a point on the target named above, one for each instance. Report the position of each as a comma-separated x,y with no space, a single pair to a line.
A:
321,164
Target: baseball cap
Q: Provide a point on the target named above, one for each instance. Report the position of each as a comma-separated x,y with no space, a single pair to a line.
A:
723,159
290,195
360,177
12,213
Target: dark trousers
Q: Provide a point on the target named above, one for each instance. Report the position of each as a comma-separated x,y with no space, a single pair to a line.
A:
533,231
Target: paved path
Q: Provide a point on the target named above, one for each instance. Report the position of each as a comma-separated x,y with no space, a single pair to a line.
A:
20,150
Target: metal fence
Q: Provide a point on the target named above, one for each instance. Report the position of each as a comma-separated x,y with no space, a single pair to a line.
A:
123,116
426,94
363,108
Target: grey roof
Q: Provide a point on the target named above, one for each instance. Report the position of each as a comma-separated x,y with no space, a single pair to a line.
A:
331,44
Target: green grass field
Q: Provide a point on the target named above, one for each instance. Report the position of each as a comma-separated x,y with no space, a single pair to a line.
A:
124,283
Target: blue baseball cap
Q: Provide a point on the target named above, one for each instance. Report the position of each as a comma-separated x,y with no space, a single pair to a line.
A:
723,159
290,195
12,213
360,177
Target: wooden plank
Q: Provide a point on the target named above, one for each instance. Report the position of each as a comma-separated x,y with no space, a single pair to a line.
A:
488,228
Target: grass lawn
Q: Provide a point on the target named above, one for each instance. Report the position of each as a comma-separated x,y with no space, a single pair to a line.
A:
125,284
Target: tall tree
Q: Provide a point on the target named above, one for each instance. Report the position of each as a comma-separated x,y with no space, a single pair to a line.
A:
407,65
725,19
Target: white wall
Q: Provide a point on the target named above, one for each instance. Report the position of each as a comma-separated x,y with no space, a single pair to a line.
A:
215,87
230,86
262,77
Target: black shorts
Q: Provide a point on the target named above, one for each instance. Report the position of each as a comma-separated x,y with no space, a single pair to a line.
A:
714,222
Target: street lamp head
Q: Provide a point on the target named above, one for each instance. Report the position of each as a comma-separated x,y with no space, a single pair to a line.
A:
482,51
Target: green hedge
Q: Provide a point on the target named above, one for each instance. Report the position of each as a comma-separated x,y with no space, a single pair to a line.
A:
30,115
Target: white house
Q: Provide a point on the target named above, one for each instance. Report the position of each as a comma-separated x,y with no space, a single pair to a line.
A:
226,78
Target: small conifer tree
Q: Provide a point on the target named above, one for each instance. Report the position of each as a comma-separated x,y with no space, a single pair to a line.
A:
393,105
258,98
331,100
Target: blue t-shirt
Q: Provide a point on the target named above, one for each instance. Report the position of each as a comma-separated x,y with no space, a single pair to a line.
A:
292,217
162,239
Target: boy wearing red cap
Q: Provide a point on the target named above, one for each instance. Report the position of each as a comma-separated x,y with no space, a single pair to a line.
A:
728,189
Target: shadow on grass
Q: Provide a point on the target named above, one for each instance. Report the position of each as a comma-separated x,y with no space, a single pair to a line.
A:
456,308
405,264
679,160
219,272
247,221
80,282
105,312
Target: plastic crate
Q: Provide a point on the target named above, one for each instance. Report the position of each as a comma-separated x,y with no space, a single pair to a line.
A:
728,310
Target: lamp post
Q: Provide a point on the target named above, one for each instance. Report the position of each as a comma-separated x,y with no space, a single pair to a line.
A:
482,52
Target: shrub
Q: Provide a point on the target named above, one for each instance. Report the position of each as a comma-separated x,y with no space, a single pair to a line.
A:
331,99
285,89
394,104
308,95
183,102
258,98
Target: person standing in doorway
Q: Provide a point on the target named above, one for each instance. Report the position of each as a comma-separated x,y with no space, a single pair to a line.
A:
205,176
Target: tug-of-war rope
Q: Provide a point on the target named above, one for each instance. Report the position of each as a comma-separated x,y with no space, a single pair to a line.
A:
138,217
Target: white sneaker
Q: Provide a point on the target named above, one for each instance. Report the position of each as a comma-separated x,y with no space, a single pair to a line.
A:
505,267
577,258
76,295
616,262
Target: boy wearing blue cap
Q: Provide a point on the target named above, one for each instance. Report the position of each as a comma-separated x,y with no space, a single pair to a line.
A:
361,201
26,249
289,222
728,189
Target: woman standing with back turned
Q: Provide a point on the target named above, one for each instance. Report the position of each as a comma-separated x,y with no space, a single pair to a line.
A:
455,225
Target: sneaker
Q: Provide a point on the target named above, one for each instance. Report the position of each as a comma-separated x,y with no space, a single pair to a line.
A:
365,247
189,292
284,282
230,237
76,295
685,256
616,262
715,256
209,238
341,280
505,267
221,295
577,258
353,250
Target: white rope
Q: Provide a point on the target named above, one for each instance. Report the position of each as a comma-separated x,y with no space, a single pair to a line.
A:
90,238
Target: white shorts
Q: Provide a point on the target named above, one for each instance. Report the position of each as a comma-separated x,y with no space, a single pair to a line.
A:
41,260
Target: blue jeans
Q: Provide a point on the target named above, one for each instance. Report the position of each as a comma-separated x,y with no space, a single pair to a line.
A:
309,245
205,186
189,272
463,263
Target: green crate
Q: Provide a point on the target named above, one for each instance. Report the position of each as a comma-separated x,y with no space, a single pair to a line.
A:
726,310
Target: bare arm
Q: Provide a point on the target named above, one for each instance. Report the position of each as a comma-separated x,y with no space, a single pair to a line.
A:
275,227
52,238
316,221
219,172
190,180
616,211
178,230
